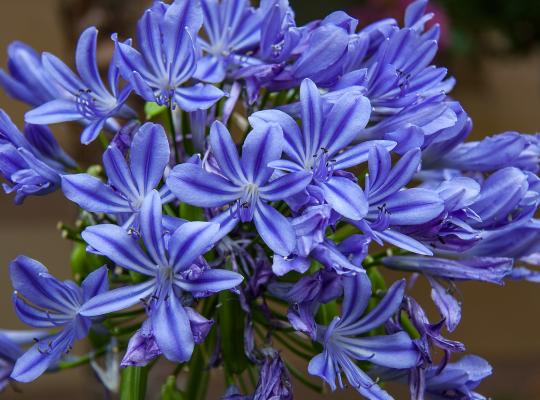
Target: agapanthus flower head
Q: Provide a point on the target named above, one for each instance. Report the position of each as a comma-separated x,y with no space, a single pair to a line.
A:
261,231
42,301
161,70
89,101
175,270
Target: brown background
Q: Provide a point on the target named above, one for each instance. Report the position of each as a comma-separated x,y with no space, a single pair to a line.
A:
500,324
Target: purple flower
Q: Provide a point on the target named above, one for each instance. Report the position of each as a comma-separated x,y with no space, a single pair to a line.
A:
458,380
31,163
244,183
233,28
11,349
42,301
484,269
274,380
512,149
391,205
175,268
342,345
167,58
27,79
321,147
89,101
128,185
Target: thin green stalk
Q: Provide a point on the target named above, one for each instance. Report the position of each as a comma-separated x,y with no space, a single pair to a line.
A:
134,382
83,360
293,349
126,314
103,140
172,132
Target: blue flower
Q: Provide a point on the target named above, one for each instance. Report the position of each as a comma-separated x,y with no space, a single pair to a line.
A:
392,205
322,146
342,345
244,183
42,301
175,269
168,57
458,379
439,270
512,149
11,349
128,185
89,102
31,163
28,80
233,28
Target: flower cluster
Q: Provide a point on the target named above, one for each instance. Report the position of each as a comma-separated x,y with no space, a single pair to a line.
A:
298,162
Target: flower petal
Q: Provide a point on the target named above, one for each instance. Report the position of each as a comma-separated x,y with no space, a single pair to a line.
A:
192,185
276,231
52,112
197,97
387,307
119,173
262,146
346,197
286,186
150,155
93,195
224,150
118,299
172,330
345,120
151,227
212,281
85,60
116,244
190,241
41,356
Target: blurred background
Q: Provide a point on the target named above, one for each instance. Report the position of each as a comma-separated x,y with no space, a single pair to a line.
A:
490,46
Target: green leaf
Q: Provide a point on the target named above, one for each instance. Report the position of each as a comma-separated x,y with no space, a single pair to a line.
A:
169,391
191,213
133,384
82,262
199,376
231,322
327,312
152,110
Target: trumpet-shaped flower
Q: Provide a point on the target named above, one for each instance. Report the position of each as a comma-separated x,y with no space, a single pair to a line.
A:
174,267
168,57
341,344
42,301
320,147
127,185
244,184
31,163
89,101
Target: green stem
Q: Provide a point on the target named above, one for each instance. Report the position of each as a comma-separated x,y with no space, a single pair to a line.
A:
134,381
172,131
293,349
82,360
125,314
